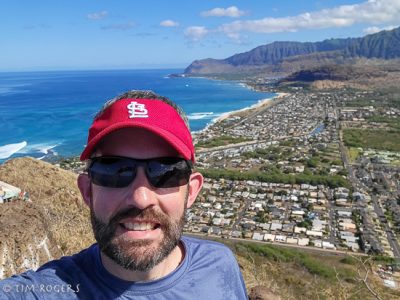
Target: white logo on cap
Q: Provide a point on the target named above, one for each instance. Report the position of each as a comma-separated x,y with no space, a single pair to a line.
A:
137,110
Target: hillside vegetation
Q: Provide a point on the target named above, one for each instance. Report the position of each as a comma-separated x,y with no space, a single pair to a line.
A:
55,223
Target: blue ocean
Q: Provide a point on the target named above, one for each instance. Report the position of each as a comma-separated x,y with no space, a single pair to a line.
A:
48,113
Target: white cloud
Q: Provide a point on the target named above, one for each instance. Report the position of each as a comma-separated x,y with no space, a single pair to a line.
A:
97,15
375,29
374,12
196,33
231,11
122,26
169,23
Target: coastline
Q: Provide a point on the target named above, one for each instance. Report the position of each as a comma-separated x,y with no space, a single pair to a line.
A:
260,105
257,107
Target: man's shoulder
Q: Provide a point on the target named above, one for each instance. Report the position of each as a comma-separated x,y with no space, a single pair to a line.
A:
58,273
65,263
200,242
210,249
215,270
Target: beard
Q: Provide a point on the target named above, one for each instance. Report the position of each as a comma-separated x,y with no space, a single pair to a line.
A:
137,255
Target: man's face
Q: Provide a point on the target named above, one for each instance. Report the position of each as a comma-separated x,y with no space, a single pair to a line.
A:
139,225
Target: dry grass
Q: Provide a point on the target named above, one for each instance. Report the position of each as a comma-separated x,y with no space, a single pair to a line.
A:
288,277
56,211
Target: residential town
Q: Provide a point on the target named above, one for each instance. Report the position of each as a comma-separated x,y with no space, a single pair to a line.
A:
298,139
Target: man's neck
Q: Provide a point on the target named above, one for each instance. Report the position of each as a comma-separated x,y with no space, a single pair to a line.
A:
167,266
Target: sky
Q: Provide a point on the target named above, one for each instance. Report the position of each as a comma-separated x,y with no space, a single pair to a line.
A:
136,34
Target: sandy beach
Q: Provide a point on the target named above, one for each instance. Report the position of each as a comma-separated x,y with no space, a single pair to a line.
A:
261,105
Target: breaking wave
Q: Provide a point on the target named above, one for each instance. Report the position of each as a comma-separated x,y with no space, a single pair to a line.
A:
201,115
8,150
44,148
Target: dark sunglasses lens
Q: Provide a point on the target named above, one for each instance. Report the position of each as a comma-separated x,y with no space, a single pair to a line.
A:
112,171
166,173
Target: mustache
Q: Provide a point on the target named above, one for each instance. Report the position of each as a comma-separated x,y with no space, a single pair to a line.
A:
147,213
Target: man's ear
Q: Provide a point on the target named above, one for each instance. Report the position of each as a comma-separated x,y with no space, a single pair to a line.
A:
195,185
84,186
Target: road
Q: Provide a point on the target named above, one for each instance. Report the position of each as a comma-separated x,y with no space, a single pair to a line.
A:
306,248
332,223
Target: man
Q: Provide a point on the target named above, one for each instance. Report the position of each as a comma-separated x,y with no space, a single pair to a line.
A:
139,183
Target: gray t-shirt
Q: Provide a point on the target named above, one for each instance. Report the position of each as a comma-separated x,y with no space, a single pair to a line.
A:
208,271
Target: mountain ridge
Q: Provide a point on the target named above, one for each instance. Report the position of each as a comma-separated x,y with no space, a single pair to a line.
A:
276,57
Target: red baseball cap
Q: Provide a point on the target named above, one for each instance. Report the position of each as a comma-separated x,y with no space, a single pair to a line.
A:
151,114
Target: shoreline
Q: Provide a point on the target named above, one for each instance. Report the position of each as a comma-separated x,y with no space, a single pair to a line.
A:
260,105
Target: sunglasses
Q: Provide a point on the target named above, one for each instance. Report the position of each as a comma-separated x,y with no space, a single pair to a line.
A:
119,172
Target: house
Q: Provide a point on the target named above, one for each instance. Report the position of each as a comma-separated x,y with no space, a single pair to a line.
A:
195,229
328,245
269,237
343,213
258,236
349,238
236,234
303,241
212,199
353,246
299,229
264,226
318,225
226,222
214,230
314,233
317,243
247,235
287,228
217,221
347,226
280,238
249,225
293,241
276,226
204,229
217,206
342,202
299,213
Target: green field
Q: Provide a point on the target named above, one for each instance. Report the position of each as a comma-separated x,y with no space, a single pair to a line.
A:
375,139
390,122
353,154
388,97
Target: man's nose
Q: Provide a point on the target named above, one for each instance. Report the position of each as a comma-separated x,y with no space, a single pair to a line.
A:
141,192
